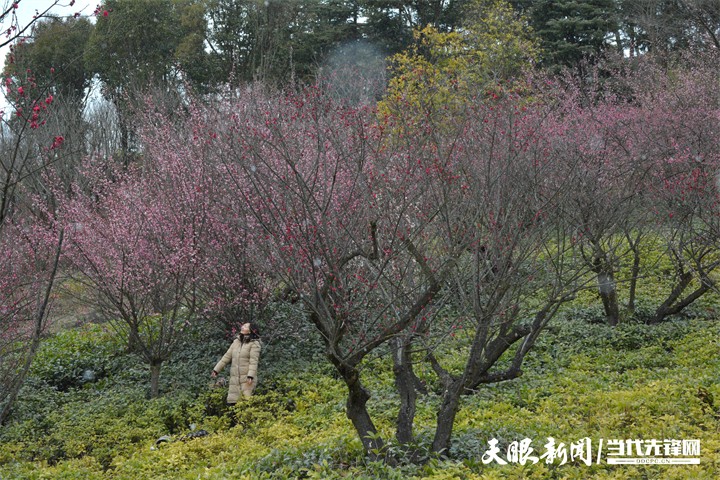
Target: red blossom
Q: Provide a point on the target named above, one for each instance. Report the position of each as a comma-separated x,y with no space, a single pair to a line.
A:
57,141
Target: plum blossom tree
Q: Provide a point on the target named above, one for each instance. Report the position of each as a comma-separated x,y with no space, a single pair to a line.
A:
629,150
28,266
539,176
517,266
374,230
30,240
342,218
136,239
680,128
606,182
650,187
233,289
31,245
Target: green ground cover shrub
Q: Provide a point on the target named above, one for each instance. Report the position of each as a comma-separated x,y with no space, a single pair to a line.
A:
583,379
76,357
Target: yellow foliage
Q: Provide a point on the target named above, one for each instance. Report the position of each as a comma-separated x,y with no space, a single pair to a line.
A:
442,71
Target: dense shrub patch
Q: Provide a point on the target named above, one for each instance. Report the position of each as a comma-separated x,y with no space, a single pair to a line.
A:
583,379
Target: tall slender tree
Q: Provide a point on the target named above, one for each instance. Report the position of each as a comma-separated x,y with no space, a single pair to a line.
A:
134,43
29,239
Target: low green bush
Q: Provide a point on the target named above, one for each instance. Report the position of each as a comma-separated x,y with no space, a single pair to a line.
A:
75,357
582,379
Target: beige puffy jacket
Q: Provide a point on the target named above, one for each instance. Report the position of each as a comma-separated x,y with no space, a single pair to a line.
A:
244,358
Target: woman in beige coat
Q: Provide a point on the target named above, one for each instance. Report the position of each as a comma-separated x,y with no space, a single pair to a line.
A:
243,356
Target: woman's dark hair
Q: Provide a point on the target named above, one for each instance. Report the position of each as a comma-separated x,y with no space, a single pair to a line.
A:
254,331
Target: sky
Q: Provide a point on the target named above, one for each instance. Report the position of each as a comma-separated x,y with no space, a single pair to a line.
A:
26,8
25,11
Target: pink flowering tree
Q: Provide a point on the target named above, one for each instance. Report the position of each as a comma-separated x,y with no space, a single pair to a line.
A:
34,170
24,137
639,151
628,149
594,153
136,238
235,286
559,191
680,126
28,268
340,216
517,266
31,244
376,223
30,239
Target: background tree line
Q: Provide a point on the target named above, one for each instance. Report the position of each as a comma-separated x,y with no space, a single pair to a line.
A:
212,42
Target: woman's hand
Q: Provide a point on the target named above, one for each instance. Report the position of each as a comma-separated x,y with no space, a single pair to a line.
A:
213,374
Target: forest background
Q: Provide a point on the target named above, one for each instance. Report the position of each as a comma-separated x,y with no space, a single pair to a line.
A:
456,222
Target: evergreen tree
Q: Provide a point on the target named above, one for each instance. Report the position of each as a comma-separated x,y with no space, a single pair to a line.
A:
390,23
667,26
54,57
277,41
571,30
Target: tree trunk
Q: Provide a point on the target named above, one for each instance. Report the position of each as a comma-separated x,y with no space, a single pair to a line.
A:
672,306
608,294
405,384
446,417
155,378
134,344
607,290
634,275
124,137
356,410
17,384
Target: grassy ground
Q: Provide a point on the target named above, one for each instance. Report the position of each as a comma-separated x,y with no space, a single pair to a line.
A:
584,380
